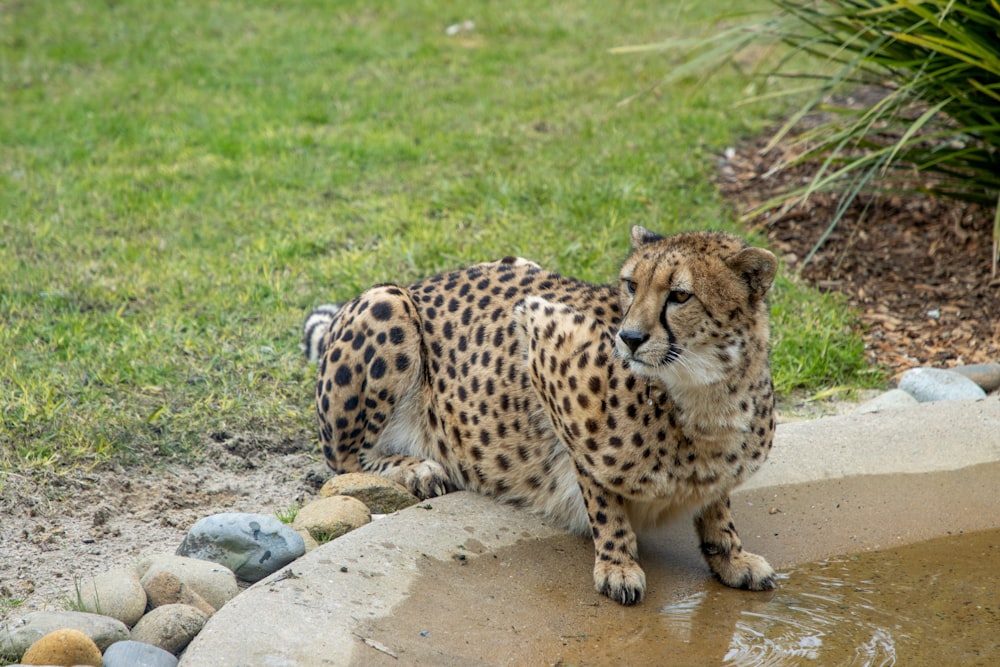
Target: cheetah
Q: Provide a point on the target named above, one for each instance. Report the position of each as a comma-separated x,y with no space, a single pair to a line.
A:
607,408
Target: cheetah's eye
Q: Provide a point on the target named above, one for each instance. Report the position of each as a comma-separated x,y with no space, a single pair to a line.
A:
677,296
630,286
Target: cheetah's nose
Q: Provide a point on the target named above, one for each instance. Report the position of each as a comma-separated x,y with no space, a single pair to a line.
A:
633,339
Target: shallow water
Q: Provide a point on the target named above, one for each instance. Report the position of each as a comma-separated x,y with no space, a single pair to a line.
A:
931,603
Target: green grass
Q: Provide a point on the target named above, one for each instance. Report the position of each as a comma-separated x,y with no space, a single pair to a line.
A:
180,182
288,514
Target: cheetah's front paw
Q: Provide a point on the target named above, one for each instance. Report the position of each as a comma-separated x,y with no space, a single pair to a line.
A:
745,570
427,479
624,583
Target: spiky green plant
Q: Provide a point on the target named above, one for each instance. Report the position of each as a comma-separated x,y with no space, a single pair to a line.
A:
935,127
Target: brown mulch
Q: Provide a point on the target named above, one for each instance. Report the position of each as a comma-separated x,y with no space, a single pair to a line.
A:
917,268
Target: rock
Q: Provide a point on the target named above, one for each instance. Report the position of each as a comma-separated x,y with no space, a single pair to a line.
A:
116,593
381,495
170,627
308,539
935,384
164,587
987,376
16,636
893,399
137,654
251,545
215,583
63,647
329,518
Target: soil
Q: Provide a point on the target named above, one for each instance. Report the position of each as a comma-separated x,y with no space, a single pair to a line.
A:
918,269
55,531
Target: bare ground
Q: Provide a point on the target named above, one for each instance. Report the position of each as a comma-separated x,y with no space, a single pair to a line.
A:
57,530
917,268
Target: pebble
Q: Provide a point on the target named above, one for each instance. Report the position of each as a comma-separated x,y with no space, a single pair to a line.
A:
986,376
170,627
936,384
116,593
18,635
893,399
331,517
215,583
137,654
66,647
381,495
163,587
251,545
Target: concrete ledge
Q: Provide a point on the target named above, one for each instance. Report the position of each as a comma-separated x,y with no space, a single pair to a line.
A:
928,437
308,613
469,571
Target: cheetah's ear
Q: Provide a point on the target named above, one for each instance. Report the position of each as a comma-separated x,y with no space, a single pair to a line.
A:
641,236
757,268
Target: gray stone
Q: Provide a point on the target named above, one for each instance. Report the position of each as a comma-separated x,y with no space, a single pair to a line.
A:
116,593
170,627
131,653
251,545
215,583
18,635
986,376
381,495
936,384
894,399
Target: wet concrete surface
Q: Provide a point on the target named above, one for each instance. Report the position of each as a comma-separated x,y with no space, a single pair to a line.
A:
533,603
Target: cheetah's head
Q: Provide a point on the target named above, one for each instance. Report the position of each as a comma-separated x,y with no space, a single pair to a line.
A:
694,306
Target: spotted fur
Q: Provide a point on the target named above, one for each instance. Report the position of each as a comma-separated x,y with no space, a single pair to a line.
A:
606,407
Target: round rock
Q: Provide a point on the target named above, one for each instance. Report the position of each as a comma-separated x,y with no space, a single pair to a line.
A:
16,636
381,495
63,647
987,376
329,518
116,593
164,587
215,583
309,540
936,384
893,399
170,627
251,545
137,654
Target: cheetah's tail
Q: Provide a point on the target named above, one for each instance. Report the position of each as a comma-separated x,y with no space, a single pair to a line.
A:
314,330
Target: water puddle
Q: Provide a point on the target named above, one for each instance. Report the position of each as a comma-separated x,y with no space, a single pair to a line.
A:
933,603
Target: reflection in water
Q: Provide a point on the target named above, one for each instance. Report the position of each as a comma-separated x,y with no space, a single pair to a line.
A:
800,625
930,604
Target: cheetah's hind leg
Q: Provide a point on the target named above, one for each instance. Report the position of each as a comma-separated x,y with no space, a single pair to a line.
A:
368,398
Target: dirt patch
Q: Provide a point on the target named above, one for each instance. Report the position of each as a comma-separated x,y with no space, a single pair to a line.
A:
57,530
917,268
